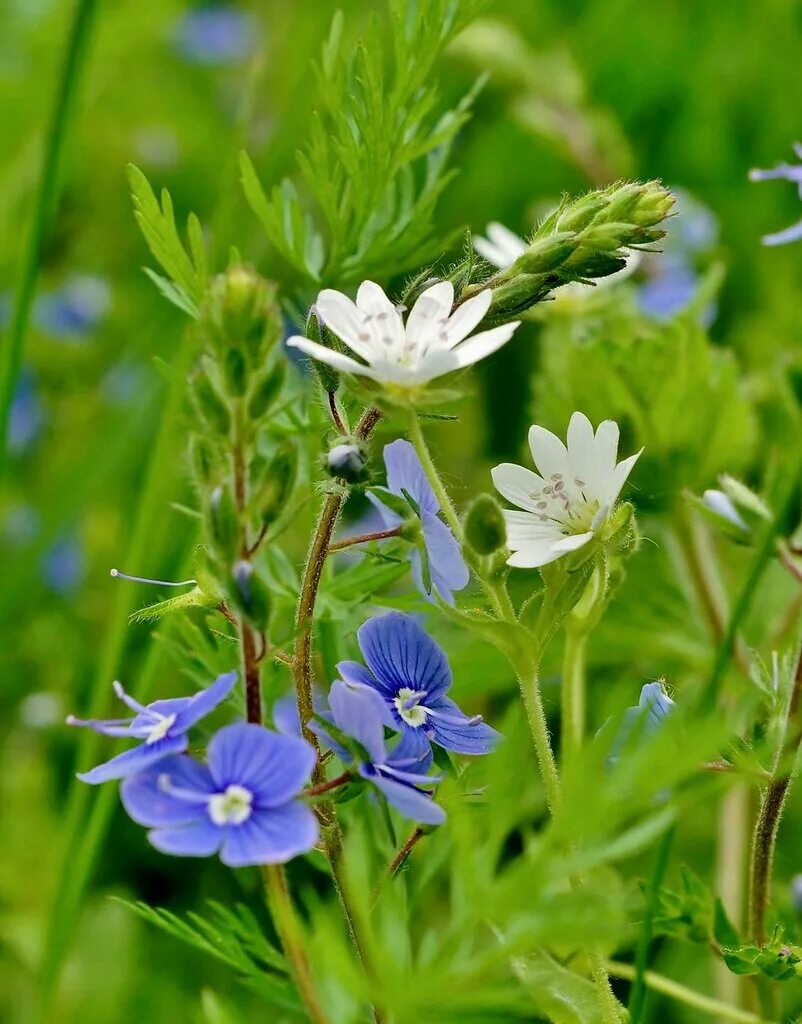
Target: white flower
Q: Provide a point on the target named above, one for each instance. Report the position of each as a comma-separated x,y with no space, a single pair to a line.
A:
430,344
502,248
570,500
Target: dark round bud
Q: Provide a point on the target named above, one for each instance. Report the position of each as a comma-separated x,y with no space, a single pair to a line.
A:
485,529
347,461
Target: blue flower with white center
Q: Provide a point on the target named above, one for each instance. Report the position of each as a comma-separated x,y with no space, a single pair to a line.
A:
447,567
787,172
243,803
411,674
162,726
401,775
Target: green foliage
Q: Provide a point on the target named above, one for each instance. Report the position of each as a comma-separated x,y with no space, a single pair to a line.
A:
375,160
186,268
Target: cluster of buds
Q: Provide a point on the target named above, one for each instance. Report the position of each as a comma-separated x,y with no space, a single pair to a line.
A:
581,240
242,489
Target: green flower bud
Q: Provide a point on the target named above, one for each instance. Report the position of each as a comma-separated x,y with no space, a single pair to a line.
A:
485,529
316,331
241,311
623,203
250,595
210,403
348,461
202,461
545,254
654,205
266,389
581,213
224,525
235,372
279,482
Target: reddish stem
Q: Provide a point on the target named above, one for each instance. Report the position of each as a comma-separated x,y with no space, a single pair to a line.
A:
325,787
401,857
365,538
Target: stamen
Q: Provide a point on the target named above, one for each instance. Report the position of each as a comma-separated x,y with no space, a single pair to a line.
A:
189,796
144,579
132,703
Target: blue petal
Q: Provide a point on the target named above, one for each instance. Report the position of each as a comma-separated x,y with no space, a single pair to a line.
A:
460,733
274,767
271,836
171,706
206,701
149,805
320,731
400,653
413,752
355,673
405,473
285,712
447,565
133,761
409,801
390,519
200,838
792,234
360,712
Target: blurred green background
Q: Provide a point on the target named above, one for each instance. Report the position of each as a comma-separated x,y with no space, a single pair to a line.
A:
578,94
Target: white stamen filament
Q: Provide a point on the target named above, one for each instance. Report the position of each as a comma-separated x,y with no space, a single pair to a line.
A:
144,579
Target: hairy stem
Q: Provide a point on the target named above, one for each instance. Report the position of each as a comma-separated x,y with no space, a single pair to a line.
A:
573,691
364,538
400,858
686,995
767,825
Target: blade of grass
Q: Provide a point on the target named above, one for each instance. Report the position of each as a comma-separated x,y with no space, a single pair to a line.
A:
638,994
81,839
44,205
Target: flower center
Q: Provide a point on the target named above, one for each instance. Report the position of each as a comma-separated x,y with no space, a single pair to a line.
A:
408,705
564,502
231,807
160,729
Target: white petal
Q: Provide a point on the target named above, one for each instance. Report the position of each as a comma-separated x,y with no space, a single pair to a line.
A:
549,452
533,555
492,253
484,344
582,453
619,477
525,528
572,543
428,317
433,364
517,484
380,319
467,316
342,317
607,435
510,243
328,355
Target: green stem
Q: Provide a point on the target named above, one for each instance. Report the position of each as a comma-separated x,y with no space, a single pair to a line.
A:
292,939
573,690
667,987
538,726
638,995
43,210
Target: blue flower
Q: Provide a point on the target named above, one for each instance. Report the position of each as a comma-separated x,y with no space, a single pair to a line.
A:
163,725
242,803
216,34
75,308
411,674
447,567
642,721
63,565
788,172
26,417
401,775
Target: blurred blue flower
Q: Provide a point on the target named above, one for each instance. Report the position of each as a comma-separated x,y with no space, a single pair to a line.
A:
74,309
411,674
286,719
63,565
788,172
26,416
122,382
401,776
216,34
640,722
242,803
162,725
447,567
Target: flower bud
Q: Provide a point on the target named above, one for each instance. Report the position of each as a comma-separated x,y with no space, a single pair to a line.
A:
210,403
316,331
224,525
581,213
347,461
654,204
279,482
249,594
545,254
266,390
241,311
202,461
235,372
485,529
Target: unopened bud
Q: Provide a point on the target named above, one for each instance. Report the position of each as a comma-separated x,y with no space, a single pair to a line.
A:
316,331
347,461
655,204
580,214
224,523
235,372
210,403
279,482
266,389
202,460
485,529
545,254
242,311
250,595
